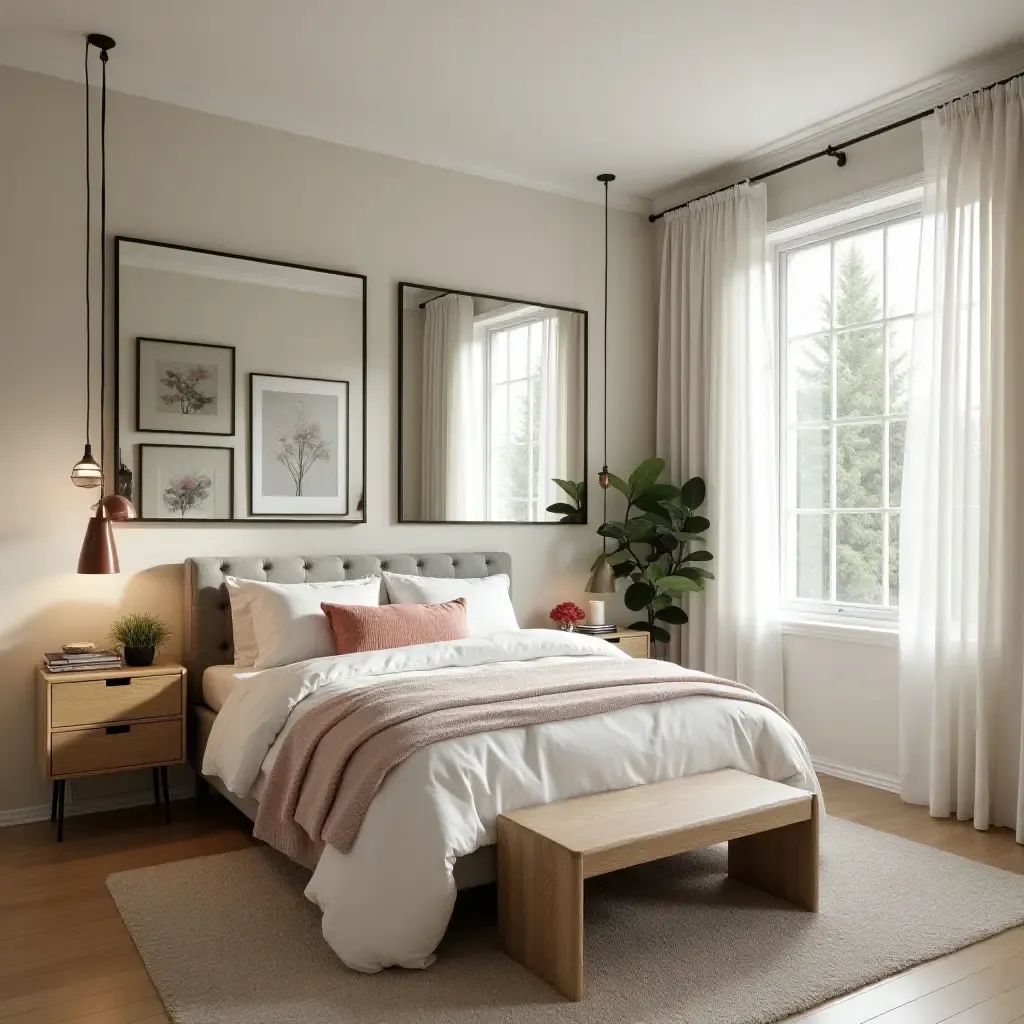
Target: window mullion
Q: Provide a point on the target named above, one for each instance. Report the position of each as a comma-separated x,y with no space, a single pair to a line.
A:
833,434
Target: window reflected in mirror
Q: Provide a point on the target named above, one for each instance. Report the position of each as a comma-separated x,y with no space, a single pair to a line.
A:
492,406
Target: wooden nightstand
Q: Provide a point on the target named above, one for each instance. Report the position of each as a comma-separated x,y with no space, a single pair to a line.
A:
635,642
113,720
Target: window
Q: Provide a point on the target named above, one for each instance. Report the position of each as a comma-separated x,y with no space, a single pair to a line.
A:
846,303
515,370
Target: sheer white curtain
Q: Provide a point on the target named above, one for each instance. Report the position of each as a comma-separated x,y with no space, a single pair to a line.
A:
962,553
560,452
716,419
454,366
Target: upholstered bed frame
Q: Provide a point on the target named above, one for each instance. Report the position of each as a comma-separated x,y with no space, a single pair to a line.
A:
208,639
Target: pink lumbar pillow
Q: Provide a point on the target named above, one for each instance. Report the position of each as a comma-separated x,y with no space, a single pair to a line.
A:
366,628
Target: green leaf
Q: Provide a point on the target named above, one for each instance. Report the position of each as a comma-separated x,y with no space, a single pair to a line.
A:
615,530
639,529
696,524
661,492
698,556
672,614
677,585
570,488
695,572
562,508
683,535
638,595
663,636
644,627
622,569
619,484
644,475
654,572
666,542
693,492
621,555
661,602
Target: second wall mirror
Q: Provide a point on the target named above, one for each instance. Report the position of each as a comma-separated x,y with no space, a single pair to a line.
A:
492,406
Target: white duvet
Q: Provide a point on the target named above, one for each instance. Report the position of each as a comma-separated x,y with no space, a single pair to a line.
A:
387,902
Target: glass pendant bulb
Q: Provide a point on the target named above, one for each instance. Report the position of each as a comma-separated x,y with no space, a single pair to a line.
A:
86,471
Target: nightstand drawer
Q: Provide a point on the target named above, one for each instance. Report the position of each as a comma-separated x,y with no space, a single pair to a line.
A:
115,746
634,646
129,698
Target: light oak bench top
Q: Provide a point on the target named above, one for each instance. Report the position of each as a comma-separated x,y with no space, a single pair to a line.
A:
545,853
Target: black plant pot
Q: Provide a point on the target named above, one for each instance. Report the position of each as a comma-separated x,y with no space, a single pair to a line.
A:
139,657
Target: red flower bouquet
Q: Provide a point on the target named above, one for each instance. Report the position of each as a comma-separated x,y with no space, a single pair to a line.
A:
566,615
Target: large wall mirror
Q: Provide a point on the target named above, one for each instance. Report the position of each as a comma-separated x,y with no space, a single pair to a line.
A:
492,406
240,387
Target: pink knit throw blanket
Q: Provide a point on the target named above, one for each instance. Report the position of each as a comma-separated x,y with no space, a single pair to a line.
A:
336,756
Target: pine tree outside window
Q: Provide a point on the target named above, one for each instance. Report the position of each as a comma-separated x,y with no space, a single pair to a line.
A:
845,302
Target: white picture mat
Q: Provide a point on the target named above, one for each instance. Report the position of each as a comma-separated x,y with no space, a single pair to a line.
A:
261,504
154,354
161,465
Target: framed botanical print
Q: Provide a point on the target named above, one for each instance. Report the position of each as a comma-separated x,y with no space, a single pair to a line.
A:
182,482
298,446
184,387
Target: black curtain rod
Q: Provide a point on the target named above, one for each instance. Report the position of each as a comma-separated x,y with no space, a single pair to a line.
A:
423,304
836,152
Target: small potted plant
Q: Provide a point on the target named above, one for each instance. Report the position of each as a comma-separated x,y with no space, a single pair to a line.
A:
566,615
140,635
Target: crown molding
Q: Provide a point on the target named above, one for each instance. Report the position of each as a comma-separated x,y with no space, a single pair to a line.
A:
894,107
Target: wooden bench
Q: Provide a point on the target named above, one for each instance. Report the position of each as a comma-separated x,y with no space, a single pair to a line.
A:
545,853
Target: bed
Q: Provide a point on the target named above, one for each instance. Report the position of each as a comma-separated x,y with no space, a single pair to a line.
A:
430,828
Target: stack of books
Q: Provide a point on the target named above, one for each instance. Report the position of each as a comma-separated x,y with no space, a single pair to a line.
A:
585,627
86,661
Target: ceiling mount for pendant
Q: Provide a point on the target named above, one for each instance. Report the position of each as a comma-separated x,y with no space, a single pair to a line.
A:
100,41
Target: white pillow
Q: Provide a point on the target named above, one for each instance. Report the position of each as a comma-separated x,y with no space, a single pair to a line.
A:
246,650
488,605
288,624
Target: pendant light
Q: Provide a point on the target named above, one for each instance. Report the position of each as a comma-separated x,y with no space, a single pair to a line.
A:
99,553
602,579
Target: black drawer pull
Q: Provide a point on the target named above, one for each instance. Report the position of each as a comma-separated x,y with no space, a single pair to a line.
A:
119,682
614,639
113,730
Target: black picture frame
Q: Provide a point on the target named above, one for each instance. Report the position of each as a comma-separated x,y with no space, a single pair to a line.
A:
251,447
190,447
402,518
140,429
120,240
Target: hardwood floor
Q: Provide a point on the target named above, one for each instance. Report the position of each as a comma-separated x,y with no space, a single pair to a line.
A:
65,956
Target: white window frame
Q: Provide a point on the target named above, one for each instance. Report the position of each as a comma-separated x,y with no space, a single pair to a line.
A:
862,216
493,323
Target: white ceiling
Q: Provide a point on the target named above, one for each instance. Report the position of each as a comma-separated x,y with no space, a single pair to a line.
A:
545,93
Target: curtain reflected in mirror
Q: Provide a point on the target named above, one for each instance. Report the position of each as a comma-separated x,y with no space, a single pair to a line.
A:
492,406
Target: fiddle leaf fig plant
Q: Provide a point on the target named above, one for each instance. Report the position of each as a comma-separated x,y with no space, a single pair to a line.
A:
659,541
571,511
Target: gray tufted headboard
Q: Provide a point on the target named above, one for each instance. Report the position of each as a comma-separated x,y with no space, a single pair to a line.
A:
208,639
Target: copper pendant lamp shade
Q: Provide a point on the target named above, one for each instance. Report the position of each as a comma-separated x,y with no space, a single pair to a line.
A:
118,509
99,553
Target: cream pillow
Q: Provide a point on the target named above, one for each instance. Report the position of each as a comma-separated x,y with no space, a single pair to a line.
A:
288,624
488,604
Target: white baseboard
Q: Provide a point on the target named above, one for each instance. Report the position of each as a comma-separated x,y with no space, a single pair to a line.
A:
89,805
841,771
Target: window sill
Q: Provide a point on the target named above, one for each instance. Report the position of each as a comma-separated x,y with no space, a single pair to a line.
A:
881,634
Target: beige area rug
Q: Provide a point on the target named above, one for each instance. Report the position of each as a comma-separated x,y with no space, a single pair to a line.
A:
230,939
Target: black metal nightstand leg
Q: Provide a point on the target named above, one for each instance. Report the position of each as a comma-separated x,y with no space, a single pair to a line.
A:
61,786
53,800
156,786
167,794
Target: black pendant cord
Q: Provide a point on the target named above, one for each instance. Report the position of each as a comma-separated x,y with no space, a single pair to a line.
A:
605,179
88,253
836,152
104,57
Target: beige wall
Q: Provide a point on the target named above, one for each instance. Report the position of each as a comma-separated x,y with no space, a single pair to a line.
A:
180,176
